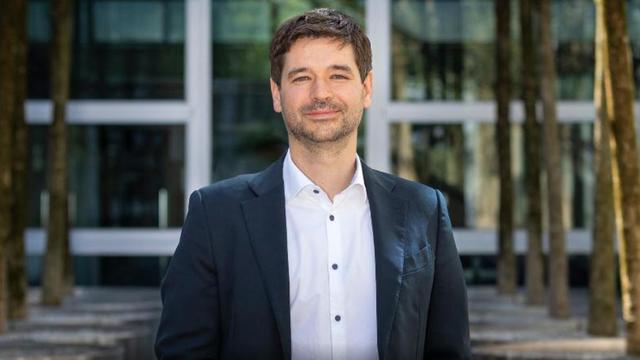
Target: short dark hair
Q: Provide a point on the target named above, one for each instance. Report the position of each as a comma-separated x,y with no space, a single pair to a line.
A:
320,23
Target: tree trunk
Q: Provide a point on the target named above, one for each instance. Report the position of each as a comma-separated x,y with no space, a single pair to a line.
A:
7,103
619,90
406,167
404,145
53,284
506,256
68,274
16,262
558,267
602,290
535,269
615,180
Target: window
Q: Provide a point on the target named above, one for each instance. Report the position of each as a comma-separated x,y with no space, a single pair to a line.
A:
461,161
444,50
119,176
122,49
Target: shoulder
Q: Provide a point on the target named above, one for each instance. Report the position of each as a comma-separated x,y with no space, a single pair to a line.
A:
238,189
235,189
420,197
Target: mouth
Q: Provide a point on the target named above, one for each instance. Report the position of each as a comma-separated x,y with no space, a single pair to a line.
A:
321,114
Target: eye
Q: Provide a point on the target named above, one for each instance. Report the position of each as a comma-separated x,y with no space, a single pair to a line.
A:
339,77
301,78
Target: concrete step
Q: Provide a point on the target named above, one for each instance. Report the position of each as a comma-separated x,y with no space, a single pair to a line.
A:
88,323
25,349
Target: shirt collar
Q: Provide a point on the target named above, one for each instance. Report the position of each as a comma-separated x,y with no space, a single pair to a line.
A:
295,180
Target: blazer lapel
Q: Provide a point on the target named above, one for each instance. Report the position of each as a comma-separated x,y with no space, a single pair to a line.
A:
388,222
266,223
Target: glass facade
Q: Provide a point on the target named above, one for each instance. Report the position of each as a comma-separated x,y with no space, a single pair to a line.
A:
119,176
461,161
247,134
122,49
133,173
444,50
108,270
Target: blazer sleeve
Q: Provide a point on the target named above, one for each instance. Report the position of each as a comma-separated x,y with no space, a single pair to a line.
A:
189,325
448,324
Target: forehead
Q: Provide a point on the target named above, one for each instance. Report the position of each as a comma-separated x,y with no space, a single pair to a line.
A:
318,53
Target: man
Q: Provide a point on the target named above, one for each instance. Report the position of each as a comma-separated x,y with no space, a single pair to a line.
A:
318,256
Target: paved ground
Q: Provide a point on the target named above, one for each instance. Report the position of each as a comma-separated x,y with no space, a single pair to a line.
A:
504,328
93,324
120,323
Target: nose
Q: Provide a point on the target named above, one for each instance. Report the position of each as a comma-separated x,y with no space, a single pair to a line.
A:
321,90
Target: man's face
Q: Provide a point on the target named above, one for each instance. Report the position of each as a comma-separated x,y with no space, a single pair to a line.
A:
321,95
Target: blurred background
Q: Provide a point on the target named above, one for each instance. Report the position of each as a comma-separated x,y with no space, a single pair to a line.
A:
152,99
167,96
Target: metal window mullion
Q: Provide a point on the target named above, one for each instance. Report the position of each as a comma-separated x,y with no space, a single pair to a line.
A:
481,111
112,112
378,26
159,242
111,241
198,140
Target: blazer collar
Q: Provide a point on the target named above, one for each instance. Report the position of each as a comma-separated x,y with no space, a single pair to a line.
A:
388,214
265,219
268,179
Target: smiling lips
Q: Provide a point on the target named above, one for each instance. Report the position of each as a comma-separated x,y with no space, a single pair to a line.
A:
320,110
321,113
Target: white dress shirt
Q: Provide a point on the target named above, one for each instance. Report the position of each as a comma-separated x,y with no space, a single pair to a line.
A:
332,281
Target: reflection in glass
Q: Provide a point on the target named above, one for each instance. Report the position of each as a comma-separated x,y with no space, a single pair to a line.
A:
461,161
247,134
108,270
443,49
122,49
119,176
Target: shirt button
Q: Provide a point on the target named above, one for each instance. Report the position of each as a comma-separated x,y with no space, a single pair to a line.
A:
334,266
331,217
316,191
338,318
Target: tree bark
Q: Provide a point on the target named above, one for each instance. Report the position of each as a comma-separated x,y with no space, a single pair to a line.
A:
506,256
404,145
16,261
602,291
53,285
615,180
535,268
619,92
68,274
406,164
7,103
558,268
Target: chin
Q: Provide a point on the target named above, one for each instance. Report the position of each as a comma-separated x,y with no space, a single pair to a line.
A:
326,138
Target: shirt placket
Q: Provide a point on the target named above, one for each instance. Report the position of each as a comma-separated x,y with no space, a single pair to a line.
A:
336,284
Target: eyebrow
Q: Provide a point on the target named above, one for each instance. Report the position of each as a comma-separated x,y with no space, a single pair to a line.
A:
298,70
345,68
293,72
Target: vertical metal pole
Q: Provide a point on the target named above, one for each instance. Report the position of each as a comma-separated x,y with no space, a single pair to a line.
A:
198,95
378,26
163,208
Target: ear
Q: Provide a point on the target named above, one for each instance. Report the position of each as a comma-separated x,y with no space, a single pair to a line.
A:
367,89
275,96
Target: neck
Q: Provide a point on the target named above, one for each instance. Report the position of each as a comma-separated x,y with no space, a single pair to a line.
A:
331,167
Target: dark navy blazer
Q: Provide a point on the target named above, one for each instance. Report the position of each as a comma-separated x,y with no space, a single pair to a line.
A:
226,292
